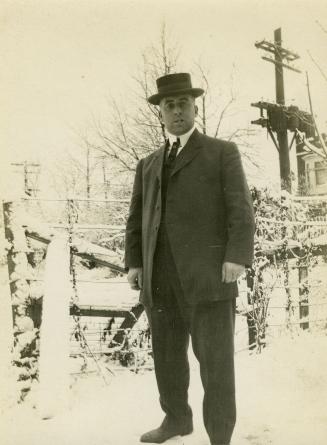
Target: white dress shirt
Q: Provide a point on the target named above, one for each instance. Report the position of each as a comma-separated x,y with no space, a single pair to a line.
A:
183,139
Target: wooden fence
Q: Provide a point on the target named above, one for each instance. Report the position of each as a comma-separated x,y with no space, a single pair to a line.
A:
26,316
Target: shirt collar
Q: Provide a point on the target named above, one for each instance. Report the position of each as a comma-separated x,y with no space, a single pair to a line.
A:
183,137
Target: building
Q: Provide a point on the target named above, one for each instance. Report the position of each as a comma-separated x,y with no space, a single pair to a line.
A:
311,171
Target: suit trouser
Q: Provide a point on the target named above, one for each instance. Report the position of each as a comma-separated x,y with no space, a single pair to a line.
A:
211,327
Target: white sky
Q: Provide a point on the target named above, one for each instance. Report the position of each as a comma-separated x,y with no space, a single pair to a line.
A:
61,59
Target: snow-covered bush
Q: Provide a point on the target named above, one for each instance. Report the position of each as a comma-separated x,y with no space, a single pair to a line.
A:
283,235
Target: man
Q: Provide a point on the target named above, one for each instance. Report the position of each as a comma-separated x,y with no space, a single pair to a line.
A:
189,236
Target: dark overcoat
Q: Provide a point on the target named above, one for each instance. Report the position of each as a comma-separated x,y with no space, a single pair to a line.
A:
209,217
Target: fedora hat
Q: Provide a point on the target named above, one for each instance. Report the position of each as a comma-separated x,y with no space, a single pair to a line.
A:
172,84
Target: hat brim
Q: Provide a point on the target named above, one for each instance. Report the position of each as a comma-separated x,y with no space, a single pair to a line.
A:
156,98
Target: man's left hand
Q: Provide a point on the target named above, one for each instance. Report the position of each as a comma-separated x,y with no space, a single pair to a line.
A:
231,272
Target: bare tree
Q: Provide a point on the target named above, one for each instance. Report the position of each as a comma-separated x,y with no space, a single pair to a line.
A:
131,133
72,175
218,107
134,132
318,147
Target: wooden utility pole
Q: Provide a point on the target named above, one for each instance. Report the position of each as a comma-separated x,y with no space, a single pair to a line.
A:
303,297
30,188
284,158
106,182
279,119
88,182
280,55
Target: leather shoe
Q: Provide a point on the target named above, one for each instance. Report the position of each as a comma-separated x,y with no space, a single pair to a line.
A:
167,430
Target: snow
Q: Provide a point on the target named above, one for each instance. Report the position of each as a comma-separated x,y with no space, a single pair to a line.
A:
33,225
6,340
281,393
54,334
320,240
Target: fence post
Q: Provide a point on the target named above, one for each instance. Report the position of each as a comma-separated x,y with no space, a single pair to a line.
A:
303,296
54,333
6,346
17,266
250,315
24,334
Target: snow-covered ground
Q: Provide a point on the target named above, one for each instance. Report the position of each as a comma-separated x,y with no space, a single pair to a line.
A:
282,397
281,393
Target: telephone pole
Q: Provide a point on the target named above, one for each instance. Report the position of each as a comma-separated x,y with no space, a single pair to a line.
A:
278,119
280,55
29,171
284,158
88,182
106,182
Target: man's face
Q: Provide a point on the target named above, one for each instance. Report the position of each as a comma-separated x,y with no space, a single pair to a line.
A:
178,113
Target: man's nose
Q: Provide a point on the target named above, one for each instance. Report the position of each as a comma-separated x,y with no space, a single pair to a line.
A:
177,109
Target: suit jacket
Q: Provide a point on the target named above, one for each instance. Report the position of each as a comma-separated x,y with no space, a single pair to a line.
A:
209,217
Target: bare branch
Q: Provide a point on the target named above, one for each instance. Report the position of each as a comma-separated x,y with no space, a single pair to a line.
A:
321,27
322,143
317,65
222,114
301,137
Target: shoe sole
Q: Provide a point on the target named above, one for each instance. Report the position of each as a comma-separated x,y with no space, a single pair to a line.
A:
183,433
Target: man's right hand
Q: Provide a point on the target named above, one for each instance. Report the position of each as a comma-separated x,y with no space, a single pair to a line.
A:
135,277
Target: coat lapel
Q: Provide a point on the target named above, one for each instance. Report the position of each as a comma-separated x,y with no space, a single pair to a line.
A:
157,162
188,152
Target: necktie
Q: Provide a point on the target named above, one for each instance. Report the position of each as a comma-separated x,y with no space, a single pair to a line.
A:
173,152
